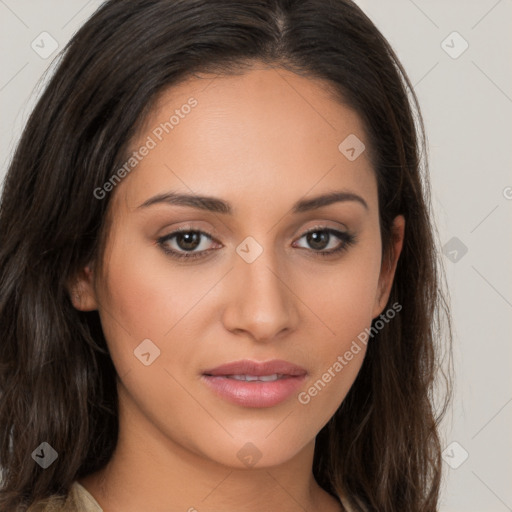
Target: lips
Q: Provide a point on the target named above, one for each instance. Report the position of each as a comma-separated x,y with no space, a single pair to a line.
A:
256,368
253,383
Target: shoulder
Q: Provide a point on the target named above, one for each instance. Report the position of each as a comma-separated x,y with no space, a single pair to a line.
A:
77,500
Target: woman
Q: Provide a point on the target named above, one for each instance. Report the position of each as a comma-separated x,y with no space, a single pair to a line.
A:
219,279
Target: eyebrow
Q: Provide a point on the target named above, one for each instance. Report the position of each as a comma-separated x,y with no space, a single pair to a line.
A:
217,205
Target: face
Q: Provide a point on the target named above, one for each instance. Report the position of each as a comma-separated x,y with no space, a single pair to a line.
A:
261,273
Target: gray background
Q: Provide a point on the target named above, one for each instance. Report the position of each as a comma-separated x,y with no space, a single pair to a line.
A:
466,100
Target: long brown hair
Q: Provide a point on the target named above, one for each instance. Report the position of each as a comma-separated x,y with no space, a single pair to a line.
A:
381,449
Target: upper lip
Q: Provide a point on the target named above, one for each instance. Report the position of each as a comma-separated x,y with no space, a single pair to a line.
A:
257,368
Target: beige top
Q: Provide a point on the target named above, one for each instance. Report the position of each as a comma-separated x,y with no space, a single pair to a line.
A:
77,500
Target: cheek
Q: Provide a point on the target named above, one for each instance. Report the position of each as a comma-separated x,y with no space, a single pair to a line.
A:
147,296
343,300
144,296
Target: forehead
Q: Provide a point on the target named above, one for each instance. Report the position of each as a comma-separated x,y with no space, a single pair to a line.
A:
262,134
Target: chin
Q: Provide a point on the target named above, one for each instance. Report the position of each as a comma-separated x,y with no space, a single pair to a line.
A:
258,453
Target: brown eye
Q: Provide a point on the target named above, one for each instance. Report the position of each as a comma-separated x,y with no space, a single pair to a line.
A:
188,241
319,239
185,242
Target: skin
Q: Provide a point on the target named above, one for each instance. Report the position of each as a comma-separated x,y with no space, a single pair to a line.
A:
261,141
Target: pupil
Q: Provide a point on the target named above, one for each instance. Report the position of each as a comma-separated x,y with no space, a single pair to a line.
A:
318,239
191,240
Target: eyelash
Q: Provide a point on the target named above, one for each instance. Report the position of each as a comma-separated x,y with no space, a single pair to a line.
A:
348,240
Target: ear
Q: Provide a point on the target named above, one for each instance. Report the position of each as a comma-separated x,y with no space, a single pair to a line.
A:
81,290
388,267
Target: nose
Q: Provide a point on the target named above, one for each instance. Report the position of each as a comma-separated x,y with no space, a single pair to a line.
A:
261,302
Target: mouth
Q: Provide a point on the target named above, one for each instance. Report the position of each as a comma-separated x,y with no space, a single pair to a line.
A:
253,378
255,384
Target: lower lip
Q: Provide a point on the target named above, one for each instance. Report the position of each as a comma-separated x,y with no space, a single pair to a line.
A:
255,393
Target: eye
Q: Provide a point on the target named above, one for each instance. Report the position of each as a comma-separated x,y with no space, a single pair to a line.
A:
185,243
319,239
